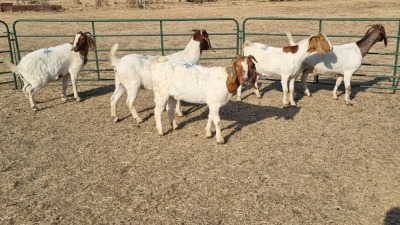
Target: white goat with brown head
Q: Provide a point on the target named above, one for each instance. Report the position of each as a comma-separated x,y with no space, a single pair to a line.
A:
132,71
344,60
38,68
176,80
285,61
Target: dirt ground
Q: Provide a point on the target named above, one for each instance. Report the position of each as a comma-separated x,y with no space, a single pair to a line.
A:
319,163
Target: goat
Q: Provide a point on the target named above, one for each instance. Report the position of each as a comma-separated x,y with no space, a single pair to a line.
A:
176,80
284,61
132,71
39,67
343,60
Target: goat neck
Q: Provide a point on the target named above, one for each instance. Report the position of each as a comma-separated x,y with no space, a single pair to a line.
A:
374,34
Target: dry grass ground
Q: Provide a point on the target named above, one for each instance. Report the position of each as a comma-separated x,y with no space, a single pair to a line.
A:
320,163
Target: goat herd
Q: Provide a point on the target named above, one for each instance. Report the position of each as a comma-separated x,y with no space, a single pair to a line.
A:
177,76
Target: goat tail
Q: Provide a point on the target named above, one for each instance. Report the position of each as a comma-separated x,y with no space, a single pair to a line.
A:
113,56
290,38
247,43
10,66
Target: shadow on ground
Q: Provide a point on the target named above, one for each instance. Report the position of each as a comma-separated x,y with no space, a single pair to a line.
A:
243,114
392,217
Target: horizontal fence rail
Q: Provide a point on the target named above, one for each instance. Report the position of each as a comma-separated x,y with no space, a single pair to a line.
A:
144,36
6,53
164,36
380,66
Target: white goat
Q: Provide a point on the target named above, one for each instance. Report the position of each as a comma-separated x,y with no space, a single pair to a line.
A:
132,71
284,61
39,67
343,60
177,80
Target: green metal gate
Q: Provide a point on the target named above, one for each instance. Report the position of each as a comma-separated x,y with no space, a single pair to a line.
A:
148,36
6,53
380,66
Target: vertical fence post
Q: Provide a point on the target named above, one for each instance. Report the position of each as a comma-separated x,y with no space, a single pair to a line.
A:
316,77
395,81
95,51
17,55
9,34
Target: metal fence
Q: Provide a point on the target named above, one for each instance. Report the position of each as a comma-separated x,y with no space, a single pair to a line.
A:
164,36
6,53
149,36
380,66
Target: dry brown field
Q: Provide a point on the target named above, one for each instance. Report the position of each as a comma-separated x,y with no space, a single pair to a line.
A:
319,163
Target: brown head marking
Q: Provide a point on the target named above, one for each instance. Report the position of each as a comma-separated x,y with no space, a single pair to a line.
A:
202,37
376,33
252,72
382,32
236,76
82,43
319,44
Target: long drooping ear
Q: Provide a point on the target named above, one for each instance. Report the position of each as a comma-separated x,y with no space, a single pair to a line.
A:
252,72
91,42
233,74
315,44
383,32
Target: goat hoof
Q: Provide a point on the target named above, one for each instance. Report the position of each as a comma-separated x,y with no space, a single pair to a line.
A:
258,97
179,114
63,98
78,99
208,135
114,119
35,108
220,140
286,105
174,126
139,121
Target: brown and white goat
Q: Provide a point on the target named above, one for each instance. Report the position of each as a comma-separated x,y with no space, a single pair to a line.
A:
132,71
344,60
285,61
38,68
176,80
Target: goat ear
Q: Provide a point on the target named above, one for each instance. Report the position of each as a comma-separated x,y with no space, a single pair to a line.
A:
233,71
252,58
384,35
252,73
91,42
316,45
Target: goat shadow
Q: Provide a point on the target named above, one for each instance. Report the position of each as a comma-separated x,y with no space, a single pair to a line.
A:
392,217
84,95
243,114
98,91
328,84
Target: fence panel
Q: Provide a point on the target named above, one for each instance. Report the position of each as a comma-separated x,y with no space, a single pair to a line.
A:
6,53
380,66
148,36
